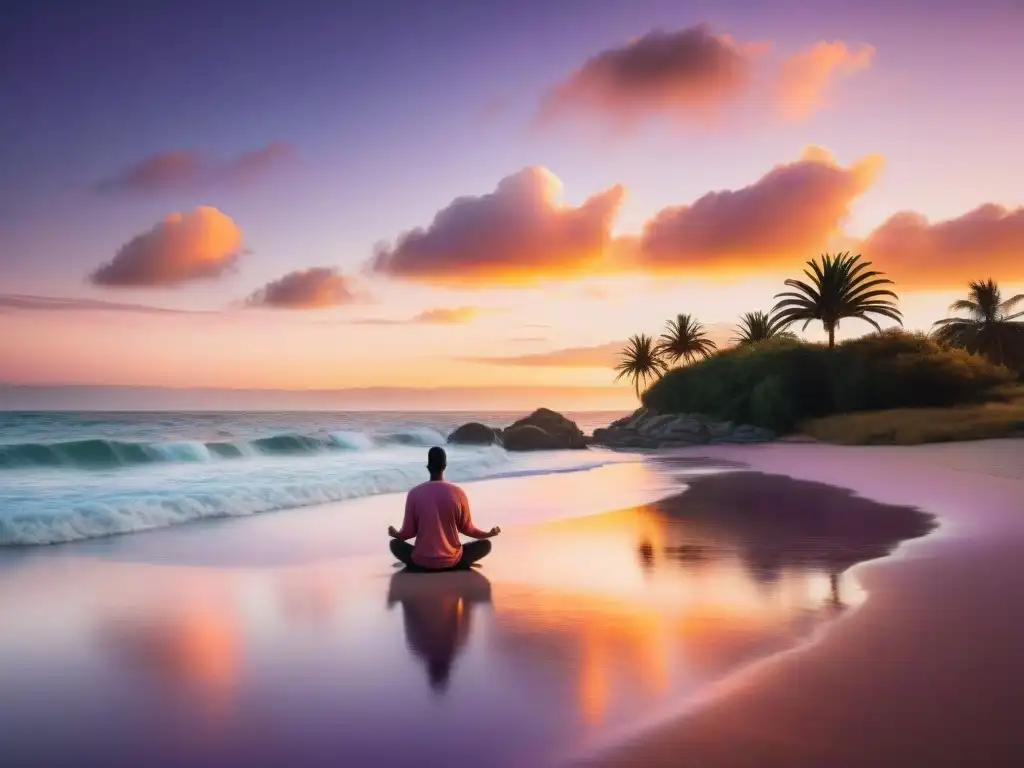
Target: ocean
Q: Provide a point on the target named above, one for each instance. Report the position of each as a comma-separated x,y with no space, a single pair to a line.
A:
67,476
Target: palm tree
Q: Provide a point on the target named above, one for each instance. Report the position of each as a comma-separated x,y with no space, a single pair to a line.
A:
684,338
991,329
760,326
641,361
841,286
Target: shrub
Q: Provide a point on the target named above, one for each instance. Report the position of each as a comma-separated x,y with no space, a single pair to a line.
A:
778,383
771,406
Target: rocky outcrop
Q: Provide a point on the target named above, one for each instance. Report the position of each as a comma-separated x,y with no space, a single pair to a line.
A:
474,433
647,429
530,438
542,430
563,433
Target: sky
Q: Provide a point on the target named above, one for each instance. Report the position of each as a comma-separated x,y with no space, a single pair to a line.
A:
479,197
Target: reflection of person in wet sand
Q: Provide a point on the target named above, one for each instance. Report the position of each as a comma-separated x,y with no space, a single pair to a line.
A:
437,611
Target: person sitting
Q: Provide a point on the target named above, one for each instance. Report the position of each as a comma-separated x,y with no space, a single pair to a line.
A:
436,512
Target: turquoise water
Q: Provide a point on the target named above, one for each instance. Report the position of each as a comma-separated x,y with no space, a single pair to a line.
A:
67,476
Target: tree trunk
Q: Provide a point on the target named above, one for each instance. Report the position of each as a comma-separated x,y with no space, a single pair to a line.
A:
831,337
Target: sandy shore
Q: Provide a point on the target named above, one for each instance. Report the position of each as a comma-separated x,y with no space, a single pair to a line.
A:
928,672
657,634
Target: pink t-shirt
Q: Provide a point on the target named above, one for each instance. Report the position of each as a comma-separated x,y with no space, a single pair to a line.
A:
435,513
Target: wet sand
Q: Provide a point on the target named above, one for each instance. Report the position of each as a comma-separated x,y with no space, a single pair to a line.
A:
291,638
928,671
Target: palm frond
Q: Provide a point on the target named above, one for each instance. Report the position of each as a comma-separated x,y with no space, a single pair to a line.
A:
640,361
685,339
990,330
838,286
755,327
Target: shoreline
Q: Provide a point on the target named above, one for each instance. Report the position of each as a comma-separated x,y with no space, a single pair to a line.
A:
886,683
702,599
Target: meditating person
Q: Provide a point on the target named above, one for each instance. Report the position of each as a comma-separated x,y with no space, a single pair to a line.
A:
436,512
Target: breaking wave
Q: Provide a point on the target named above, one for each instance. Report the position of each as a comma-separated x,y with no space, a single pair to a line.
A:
64,514
110,454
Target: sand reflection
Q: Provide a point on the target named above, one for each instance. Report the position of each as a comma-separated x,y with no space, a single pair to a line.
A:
652,603
437,610
199,647
193,650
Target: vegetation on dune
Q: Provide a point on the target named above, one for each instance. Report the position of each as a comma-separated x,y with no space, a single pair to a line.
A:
640,361
780,383
883,387
755,327
842,286
685,339
912,426
991,329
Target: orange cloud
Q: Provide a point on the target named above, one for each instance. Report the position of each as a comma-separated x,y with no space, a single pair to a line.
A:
439,316
447,315
202,243
805,77
312,288
684,72
520,233
789,212
187,170
986,242
21,302
599,356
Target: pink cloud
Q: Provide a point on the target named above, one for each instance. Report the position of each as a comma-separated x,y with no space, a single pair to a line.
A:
684,72
20,302
202,243
438,316
250,167
805,78
188,170
985,242
597,356
696,74
313,288
789,212
519,233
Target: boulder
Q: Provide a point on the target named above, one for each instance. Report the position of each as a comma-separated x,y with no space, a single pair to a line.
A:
566,433
746,433
683,427
653,425
636,419
646,429
528,437
473,433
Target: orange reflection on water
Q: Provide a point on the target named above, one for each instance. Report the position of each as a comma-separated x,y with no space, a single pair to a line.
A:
594,686
196,645
614,604
193,645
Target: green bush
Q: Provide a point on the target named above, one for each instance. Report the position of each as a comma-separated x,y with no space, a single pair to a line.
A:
771,405
779,383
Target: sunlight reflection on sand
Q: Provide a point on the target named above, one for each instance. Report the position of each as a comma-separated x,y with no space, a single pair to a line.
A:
571,627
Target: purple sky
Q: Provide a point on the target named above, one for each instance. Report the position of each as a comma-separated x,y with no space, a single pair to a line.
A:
388,111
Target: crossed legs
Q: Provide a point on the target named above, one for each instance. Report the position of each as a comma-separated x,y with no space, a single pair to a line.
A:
471,553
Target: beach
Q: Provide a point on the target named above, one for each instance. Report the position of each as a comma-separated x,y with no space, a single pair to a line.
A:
719,605
926,672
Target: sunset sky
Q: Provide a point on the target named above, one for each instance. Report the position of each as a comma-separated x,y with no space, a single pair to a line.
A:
323,195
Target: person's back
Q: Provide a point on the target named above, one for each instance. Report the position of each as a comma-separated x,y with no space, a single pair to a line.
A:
436,512
440,510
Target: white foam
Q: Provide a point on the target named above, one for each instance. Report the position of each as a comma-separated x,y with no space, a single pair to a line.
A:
46,507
